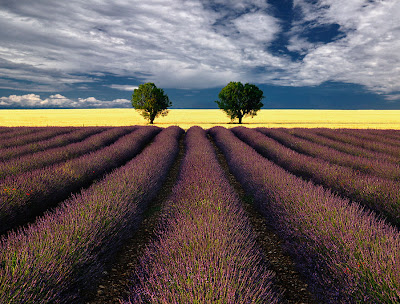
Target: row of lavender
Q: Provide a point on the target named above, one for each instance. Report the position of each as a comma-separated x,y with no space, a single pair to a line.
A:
388,146
379,194
206,250
24,196
61,154
350,147
22,136
77,134
348,255
378,166
66,249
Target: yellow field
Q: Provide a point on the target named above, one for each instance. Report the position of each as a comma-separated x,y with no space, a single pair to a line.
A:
379,119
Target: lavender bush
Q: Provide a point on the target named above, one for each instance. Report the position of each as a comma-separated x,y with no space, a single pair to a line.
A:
374,145
381,195
65,250
24,196
206,250
311,135
376,167
349,255
35,134
77,134
61,154
12,132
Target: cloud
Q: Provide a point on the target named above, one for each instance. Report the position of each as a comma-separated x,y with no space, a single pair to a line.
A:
57,46
132,38
367,54
33,101
123,87
392,97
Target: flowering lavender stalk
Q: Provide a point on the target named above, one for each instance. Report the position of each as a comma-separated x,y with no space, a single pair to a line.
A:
65,250
349,255
375,167
24,196
34,135
380,195
206,251
52,156
76,134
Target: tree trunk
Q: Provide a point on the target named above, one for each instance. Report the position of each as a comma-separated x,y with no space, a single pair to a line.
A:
152,116
240,119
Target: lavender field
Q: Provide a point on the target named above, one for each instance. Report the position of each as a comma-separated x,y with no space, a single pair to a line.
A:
146,214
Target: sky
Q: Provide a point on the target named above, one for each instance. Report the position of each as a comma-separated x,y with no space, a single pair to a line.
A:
303,54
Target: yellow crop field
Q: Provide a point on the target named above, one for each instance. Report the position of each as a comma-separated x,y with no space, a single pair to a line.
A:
377,119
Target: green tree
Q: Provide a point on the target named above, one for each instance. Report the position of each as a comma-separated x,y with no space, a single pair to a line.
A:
150,101
239,100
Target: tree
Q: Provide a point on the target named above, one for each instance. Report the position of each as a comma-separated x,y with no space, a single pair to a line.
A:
150,101
239,100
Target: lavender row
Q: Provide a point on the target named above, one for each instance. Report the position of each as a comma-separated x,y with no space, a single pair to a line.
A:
375,167
347,254
367,135
381,195
388,133
377,146
311,135
42,133
76,135
12,132
56,155
24,196
65,251
206,251
4,130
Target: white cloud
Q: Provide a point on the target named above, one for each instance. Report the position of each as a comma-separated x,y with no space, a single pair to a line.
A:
51,46
130,38
123,87
367,55
59,101
258,26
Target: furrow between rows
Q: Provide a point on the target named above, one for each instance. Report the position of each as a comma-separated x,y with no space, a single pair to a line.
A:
28,195
206,251
53,156
378,194
64,251
343,250
78,134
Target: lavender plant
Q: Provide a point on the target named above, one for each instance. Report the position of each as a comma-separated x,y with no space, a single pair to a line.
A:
12,132
206,250
65,250
378,194
376,167
24,196
374,145
348,255
33,135
311,135
61,154
76,135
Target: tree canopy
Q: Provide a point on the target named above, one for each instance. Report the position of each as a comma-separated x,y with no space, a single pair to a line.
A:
150,101
239,100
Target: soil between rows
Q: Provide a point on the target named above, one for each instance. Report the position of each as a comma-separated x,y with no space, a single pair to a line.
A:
287,278
115,284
